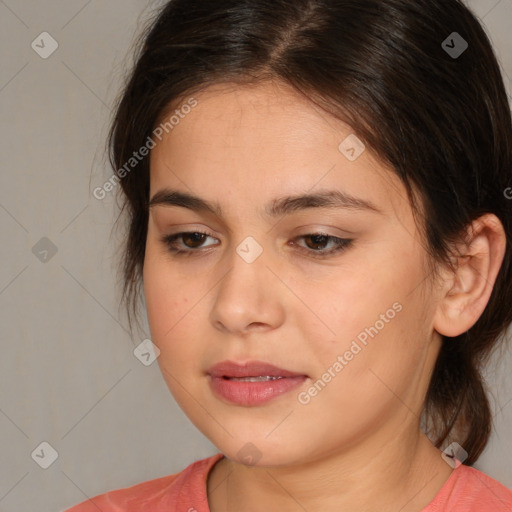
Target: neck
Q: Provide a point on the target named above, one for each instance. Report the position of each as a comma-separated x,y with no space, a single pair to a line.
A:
397,470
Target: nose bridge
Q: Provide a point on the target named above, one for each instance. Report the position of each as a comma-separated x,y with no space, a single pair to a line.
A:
247,266
243,295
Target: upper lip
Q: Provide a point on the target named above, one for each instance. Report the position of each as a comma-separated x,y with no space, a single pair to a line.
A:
249,369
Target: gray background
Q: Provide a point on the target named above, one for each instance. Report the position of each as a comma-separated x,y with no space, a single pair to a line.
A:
68,375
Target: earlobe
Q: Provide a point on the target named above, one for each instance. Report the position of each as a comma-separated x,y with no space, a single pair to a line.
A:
467,290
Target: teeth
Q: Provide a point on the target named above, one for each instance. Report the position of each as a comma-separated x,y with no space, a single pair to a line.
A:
254,379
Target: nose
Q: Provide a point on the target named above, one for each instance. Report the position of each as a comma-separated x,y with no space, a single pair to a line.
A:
249,297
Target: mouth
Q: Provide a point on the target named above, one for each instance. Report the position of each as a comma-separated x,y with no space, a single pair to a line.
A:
252,383
250,370
253,379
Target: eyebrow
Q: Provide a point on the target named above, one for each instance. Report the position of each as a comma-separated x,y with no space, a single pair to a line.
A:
333,199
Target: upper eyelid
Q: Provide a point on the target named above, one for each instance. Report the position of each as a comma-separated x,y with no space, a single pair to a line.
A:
318,232
221,225
177,235
340,246
301,231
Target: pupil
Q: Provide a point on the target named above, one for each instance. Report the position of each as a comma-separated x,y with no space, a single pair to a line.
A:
196,237
316,238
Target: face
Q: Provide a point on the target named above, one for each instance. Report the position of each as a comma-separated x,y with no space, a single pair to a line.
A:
337,294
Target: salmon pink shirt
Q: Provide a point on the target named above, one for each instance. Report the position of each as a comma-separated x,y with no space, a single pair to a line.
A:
466,490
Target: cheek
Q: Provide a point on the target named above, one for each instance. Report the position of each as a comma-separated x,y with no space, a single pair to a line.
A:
357,385
379,327
384,371
166,298
342,306
176,316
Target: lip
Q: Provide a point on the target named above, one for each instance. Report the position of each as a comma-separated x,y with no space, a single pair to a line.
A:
251,393
249,369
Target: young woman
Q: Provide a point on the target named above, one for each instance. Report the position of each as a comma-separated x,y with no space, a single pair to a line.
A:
318,195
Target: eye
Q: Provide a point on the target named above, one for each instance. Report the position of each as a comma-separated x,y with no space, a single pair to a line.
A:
193,240
313,240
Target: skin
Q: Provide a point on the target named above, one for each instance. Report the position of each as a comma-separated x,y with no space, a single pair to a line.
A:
357,445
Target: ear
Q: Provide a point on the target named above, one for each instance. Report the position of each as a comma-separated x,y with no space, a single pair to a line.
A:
466,292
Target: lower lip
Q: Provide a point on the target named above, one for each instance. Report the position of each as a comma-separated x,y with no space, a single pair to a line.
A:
254,393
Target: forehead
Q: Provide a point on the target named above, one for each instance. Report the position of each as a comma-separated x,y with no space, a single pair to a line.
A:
249,144
268,115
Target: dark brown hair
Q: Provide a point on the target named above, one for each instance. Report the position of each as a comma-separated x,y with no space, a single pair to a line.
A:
440,121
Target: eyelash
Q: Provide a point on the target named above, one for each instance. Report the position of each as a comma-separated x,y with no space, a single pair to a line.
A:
342,244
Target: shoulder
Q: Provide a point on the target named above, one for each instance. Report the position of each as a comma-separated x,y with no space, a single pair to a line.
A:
187,487
470,490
